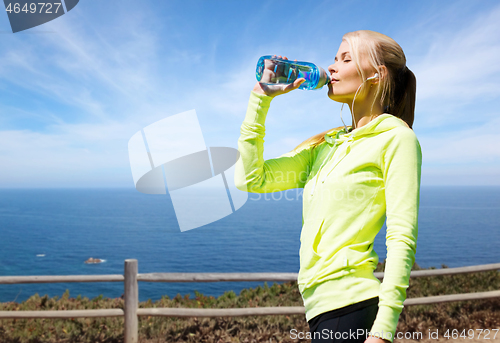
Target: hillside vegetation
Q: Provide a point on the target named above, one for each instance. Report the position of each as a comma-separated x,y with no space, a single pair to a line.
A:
479,314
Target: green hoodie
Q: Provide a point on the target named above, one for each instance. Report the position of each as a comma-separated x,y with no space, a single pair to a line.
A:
352,182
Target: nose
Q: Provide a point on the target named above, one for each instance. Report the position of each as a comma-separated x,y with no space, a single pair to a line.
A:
332,69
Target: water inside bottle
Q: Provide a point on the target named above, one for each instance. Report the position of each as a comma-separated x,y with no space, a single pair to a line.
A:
278,71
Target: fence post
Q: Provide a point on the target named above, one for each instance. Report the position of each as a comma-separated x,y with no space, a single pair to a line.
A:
131,302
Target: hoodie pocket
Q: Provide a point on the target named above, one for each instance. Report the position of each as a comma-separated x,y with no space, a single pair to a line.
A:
310,237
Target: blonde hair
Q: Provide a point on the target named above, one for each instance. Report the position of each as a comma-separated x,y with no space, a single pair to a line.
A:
397,90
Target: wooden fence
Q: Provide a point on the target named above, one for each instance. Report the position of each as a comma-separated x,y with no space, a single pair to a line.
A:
131,310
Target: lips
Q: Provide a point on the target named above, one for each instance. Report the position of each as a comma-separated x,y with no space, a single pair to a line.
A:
333,80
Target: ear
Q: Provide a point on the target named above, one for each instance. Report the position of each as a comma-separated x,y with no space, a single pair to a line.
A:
382,74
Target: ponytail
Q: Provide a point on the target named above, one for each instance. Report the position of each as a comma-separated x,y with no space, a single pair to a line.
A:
402,100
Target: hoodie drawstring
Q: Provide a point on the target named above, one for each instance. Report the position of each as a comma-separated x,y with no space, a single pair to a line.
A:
334,164
322,164
335,143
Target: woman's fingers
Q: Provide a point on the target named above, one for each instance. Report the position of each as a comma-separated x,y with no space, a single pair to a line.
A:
294,85
274,68
298,82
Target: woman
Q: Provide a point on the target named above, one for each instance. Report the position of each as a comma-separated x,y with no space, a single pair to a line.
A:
353,179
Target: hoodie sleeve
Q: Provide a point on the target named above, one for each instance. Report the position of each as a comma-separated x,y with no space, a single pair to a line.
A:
252,173
401,166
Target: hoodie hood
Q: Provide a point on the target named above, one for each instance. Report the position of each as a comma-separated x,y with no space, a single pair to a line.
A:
335,138
382,123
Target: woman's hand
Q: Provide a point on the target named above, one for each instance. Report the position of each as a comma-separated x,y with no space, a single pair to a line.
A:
372,339
278,89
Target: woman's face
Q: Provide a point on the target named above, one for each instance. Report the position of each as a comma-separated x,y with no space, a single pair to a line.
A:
345,78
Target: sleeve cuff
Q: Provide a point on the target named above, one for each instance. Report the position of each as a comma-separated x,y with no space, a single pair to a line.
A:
258,105
386,323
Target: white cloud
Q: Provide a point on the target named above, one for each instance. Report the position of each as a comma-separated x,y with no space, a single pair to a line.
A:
460,67
77,155
479,175
461,148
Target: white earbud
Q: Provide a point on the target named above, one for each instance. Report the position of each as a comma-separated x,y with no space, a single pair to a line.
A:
373,77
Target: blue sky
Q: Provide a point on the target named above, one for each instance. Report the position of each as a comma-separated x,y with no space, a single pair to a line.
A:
74,90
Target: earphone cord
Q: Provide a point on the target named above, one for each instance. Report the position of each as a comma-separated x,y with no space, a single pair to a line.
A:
352,112
341,117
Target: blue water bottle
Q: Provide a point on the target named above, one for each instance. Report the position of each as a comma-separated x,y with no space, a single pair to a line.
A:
272,70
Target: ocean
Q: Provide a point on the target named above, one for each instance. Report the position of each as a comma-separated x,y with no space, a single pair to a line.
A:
53,231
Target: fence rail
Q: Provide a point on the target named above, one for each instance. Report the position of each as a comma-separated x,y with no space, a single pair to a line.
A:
131,310
60,278
219,277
